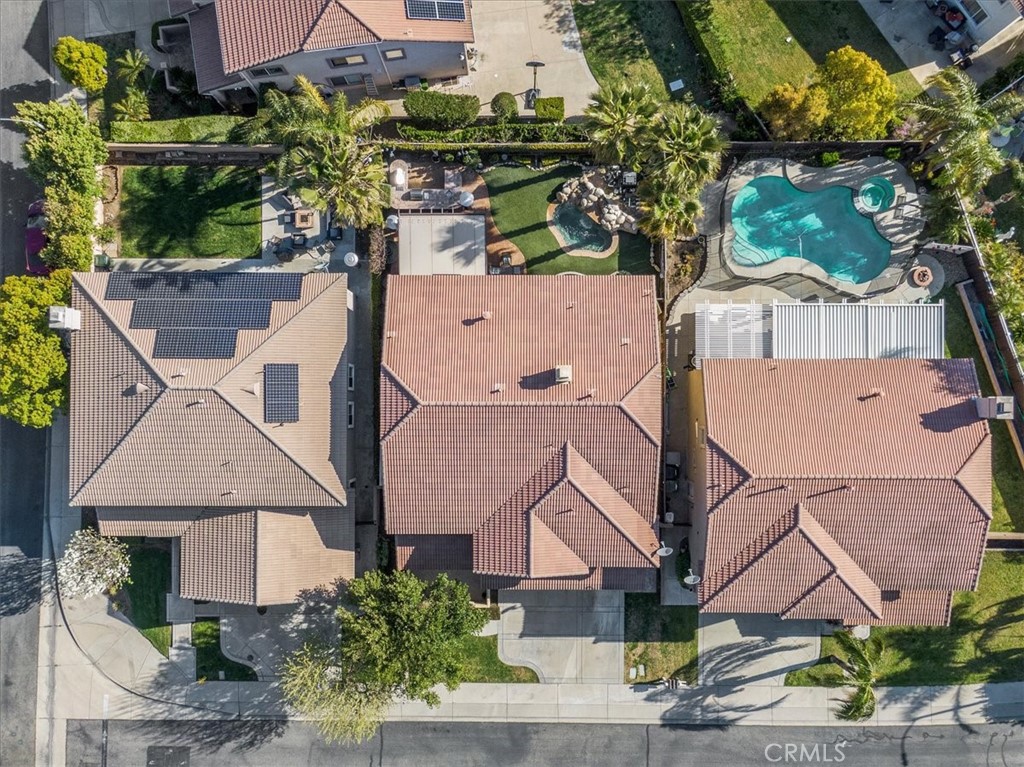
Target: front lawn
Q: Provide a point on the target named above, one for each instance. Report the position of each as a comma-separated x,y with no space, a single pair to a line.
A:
631,41
210,661
1007,474
752,38
519,202
189,212
663,639
481,663
983,643
186,130
146,594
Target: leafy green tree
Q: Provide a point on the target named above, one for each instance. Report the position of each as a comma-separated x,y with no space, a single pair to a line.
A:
861,97
82,64
668,210
505,108
33,368
795,114
618,121
1005,265
68,250
686,145
130,65
62,144
134,107
323,162
860,667
955,128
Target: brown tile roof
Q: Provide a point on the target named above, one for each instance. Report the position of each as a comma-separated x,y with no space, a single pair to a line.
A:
158,432
206,51
253,32
831,484
546,480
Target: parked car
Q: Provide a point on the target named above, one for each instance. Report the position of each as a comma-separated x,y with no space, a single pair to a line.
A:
35,239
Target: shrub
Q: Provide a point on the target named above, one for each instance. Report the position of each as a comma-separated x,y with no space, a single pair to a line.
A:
82,64
893,153
548,132
68,250
504,107
1003,77
828,159
550,109
444,111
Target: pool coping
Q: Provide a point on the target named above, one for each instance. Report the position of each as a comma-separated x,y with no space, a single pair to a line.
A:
901,232
579,252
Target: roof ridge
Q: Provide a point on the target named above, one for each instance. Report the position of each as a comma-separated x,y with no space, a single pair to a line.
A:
535,520
960,481
339,7
324,5
638,424
369,29
416,404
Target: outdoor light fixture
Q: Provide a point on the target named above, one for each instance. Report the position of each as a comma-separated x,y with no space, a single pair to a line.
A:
534,93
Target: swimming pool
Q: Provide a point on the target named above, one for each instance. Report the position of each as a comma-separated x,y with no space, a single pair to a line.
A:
579,230
875,195
772,219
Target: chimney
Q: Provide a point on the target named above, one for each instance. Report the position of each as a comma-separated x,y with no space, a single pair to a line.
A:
994,407
563,374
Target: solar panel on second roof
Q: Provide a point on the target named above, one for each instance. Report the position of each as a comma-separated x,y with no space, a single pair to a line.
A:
188,313
203,286
445,10
195,343
280,393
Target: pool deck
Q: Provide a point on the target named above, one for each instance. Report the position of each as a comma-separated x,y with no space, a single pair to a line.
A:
901,224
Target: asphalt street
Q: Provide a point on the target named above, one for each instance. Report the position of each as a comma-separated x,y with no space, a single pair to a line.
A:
283,744
24,54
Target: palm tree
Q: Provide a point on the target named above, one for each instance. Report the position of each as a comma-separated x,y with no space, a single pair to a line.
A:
617,120
668,209
130,65
956,126
861,670
134,107
688,145
325,161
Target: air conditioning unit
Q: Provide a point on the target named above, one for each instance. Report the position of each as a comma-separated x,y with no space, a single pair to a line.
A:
563,374
65,318
991,407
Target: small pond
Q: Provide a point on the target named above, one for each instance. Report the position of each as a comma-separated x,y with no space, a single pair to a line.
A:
579,230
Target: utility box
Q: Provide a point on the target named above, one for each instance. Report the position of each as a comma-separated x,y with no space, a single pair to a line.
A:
995,407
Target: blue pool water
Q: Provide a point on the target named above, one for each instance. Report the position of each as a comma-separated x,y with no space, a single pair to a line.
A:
877,194
579,230
773,219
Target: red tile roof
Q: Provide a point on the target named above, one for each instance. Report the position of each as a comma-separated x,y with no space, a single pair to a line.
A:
831,484
549,480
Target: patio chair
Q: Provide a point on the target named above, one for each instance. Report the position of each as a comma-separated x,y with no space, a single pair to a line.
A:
298,240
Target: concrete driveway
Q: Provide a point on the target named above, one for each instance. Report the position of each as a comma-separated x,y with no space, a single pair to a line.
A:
511,32
565,636
754,649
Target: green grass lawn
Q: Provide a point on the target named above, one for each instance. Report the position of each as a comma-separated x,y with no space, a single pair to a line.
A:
519,202
630,40
480,656
147,593
663,639
1011,212
179,212
210,661
188,130
983,643
1007,474
752,37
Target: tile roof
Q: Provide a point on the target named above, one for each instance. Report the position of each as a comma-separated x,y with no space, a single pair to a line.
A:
206,51
545,479
253,32
833,483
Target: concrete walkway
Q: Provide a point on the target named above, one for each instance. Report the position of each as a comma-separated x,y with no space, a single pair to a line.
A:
760,650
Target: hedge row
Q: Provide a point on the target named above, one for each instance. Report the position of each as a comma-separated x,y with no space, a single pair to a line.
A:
560,147
443,111
697,20
506,133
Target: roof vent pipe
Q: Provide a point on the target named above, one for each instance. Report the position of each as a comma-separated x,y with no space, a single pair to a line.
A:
487,315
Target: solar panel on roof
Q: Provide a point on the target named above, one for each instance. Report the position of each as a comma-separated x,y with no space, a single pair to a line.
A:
189,313
195,343
281,393
451,11
203,286
445,10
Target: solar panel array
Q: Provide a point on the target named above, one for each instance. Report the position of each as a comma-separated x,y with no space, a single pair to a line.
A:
443,10
281,393
197,315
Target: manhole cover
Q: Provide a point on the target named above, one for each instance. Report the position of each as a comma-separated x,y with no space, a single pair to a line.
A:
167,756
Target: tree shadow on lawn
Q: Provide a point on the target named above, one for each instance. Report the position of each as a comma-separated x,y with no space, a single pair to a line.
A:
174,212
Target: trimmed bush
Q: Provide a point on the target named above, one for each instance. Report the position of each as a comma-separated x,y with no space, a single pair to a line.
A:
893,153
828,159
444,111
504,107
82,64
550,109
497,133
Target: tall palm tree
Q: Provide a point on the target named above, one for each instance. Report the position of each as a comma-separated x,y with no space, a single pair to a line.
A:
324,160
130,65
861,671
955,129
668,209
687,145
618,120
134,107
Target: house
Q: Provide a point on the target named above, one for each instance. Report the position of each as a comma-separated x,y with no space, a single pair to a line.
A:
520,425
850,490
355,46
989,23
210,408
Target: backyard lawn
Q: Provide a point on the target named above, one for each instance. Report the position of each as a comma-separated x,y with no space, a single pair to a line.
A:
519,201
663,639
481,663
147,592
188,130
983,643
188,212
1007,474
630,41
752,34
210,661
